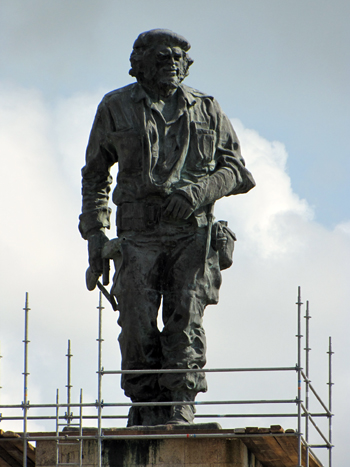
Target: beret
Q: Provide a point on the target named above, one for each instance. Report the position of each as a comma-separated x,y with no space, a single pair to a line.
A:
161,36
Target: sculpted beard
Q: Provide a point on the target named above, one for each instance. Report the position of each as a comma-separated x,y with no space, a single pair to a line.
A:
155,77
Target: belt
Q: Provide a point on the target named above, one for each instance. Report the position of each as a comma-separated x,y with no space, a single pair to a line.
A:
144,216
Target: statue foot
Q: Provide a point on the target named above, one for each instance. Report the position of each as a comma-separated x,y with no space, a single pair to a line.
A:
134,417
181,414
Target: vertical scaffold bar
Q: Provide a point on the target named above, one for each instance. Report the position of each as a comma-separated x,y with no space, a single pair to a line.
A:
68,414
307,382
57,425
99,401
299,336
25,385
330,384
81,430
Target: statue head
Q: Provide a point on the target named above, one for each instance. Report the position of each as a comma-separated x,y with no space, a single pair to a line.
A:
159,60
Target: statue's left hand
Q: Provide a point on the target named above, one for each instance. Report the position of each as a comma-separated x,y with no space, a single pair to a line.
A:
178,207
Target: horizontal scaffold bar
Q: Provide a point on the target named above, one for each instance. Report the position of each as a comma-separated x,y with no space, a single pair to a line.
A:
124,417
71,437
194,370
147,404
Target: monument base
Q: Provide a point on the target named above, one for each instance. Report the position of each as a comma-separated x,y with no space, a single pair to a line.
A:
189,451
202,445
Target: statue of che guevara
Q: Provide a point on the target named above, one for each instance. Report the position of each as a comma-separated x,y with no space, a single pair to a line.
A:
177,154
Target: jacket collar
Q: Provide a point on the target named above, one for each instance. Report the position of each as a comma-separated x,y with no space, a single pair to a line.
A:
138,94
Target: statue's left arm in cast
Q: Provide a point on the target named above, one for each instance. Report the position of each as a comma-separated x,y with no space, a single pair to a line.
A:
229,176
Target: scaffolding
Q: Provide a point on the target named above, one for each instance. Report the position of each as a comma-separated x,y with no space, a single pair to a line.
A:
69,421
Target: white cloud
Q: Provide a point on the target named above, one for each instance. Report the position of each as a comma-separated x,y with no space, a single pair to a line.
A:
279,247
72,120
266,213
343,228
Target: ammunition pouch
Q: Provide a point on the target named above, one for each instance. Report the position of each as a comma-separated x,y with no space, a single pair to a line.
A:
219,231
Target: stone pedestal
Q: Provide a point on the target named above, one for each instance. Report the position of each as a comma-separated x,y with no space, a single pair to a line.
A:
189,450
203,445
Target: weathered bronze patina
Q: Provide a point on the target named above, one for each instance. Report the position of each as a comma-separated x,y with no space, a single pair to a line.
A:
177,154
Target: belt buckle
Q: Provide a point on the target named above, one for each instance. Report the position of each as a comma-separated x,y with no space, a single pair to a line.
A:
153,215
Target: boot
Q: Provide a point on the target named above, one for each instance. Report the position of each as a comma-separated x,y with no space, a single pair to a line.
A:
152,416
134,417
182,414
148,416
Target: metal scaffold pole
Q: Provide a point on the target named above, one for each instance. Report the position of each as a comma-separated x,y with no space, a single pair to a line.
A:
81,429
69,414
25,402
57,425
307,382
100,370
299,336
330,384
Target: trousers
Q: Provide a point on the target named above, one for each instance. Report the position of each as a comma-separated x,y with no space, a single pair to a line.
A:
167,267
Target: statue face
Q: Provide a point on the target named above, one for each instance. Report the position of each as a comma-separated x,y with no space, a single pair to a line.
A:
160,68
169,65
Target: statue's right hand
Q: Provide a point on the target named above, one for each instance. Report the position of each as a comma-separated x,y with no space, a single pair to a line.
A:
91,279
95,245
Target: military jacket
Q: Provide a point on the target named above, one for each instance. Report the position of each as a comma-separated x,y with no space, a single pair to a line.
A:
199,157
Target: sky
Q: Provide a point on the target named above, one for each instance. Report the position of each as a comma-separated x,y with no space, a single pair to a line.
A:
280,71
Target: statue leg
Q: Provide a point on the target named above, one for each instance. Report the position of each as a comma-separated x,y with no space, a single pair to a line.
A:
136,286
189,287
184,347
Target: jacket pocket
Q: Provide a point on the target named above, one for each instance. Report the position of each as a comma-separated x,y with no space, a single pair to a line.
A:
202,147
129,149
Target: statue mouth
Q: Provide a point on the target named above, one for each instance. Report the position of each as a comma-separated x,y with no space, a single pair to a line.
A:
170,73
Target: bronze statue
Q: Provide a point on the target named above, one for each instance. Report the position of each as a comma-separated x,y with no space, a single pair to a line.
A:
177,154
